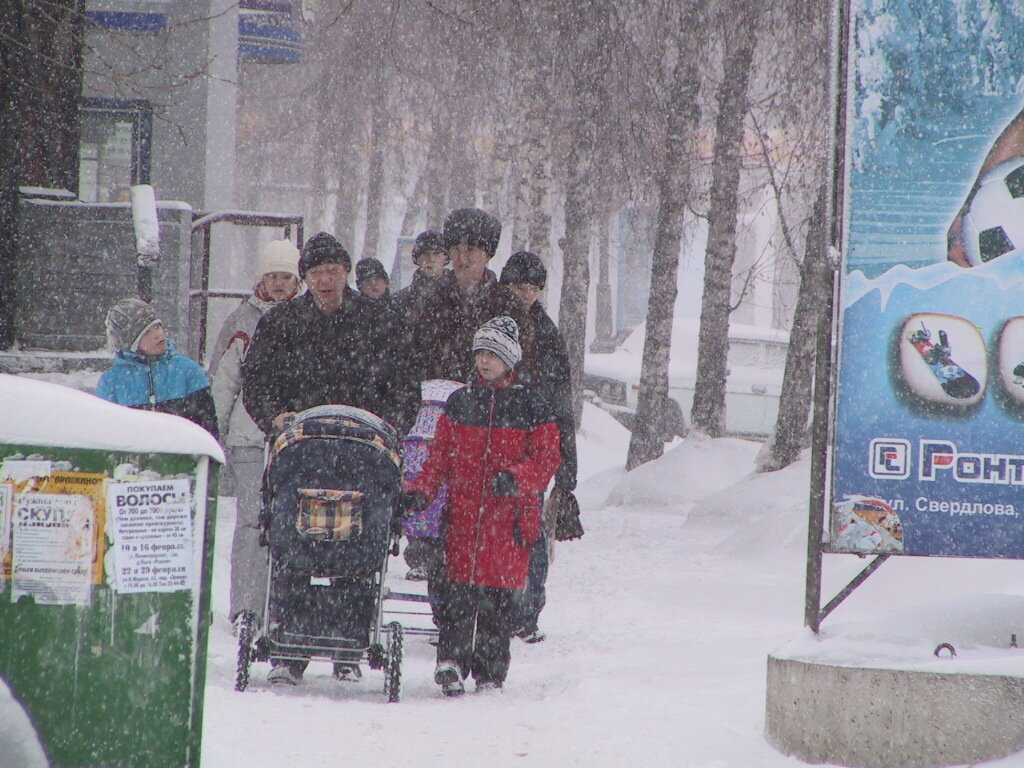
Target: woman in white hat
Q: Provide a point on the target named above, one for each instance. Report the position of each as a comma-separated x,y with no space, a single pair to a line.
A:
279,281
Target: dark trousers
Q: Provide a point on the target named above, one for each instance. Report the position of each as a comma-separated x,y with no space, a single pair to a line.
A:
428,554
475,633
529,602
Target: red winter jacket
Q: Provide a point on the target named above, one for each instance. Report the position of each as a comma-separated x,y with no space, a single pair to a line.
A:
485,429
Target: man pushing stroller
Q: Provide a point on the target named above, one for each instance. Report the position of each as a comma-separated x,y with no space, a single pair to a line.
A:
496,447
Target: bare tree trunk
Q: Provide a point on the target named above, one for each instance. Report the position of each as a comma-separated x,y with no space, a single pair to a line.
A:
647,441
349,184
790,432
414,207
520,209
52,30
575,246
375,181
437,169
708,412
462,175
499,170
540,206
603,326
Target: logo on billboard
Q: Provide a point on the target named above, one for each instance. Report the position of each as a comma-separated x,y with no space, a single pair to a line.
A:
890,458
989,468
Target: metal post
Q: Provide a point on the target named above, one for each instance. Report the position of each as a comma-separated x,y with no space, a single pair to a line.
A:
825,354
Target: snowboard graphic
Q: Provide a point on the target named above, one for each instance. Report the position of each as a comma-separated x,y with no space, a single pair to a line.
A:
943,359
1010,349
954,380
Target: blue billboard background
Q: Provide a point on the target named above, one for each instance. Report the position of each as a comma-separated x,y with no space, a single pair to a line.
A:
932,84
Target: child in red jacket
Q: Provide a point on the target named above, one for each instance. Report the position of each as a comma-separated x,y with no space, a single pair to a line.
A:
496,447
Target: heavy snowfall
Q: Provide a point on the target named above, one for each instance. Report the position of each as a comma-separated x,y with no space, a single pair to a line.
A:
659,622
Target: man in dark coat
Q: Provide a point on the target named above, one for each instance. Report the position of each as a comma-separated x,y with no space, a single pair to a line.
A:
430,255
526,275
466,297
328,346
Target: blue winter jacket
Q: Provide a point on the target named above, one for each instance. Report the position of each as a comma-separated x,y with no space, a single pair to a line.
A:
171,383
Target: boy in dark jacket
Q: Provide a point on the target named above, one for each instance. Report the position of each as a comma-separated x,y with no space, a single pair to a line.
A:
526,275
496,447
430,255
149,373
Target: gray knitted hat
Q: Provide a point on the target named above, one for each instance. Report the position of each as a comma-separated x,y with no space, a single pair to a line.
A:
500,335
127,323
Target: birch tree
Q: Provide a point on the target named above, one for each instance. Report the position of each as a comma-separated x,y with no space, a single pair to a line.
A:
708,411
682,113
797,111
789,435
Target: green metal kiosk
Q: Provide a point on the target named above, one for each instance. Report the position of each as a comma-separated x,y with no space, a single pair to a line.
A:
106,555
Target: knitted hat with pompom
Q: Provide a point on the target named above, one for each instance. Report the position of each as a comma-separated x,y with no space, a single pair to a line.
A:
500,335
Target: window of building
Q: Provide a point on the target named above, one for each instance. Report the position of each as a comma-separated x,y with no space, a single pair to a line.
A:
114,152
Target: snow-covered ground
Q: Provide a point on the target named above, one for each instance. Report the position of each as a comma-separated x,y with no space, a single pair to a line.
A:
659,623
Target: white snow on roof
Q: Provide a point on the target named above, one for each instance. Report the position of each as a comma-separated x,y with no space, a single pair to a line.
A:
34,412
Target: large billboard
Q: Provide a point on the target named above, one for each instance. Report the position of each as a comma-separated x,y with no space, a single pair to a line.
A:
928,455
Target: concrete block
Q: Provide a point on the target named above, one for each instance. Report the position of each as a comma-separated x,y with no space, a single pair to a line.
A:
882,718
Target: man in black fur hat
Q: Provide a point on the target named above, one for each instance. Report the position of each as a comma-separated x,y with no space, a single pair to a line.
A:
465,298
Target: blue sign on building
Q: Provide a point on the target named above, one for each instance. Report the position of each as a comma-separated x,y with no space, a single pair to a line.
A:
268,35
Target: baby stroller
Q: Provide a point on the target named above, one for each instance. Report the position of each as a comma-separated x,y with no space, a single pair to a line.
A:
329,492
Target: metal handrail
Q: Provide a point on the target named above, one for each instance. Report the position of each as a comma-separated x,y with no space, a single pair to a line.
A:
199,298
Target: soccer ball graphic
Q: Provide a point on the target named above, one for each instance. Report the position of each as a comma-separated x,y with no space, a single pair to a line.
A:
994,224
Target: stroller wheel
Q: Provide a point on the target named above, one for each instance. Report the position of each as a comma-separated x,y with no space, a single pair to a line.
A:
246,630
393,669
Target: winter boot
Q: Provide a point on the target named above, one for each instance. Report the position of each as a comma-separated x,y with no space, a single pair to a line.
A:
284,674
531,635
488,686
446,674
419,573
347,673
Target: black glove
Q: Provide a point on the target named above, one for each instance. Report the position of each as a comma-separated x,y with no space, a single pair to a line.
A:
504,484
567,523
414,502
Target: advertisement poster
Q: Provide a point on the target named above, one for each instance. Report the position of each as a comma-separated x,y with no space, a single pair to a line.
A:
52,551
6,514
928,455
28,477
151,531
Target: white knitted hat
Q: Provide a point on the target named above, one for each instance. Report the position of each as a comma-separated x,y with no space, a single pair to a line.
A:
500,335
279,256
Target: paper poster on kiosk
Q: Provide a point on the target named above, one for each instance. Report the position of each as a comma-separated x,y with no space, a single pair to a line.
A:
927,455
151,531
52,553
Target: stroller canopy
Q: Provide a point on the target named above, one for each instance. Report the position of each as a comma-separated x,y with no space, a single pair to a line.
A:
344,422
